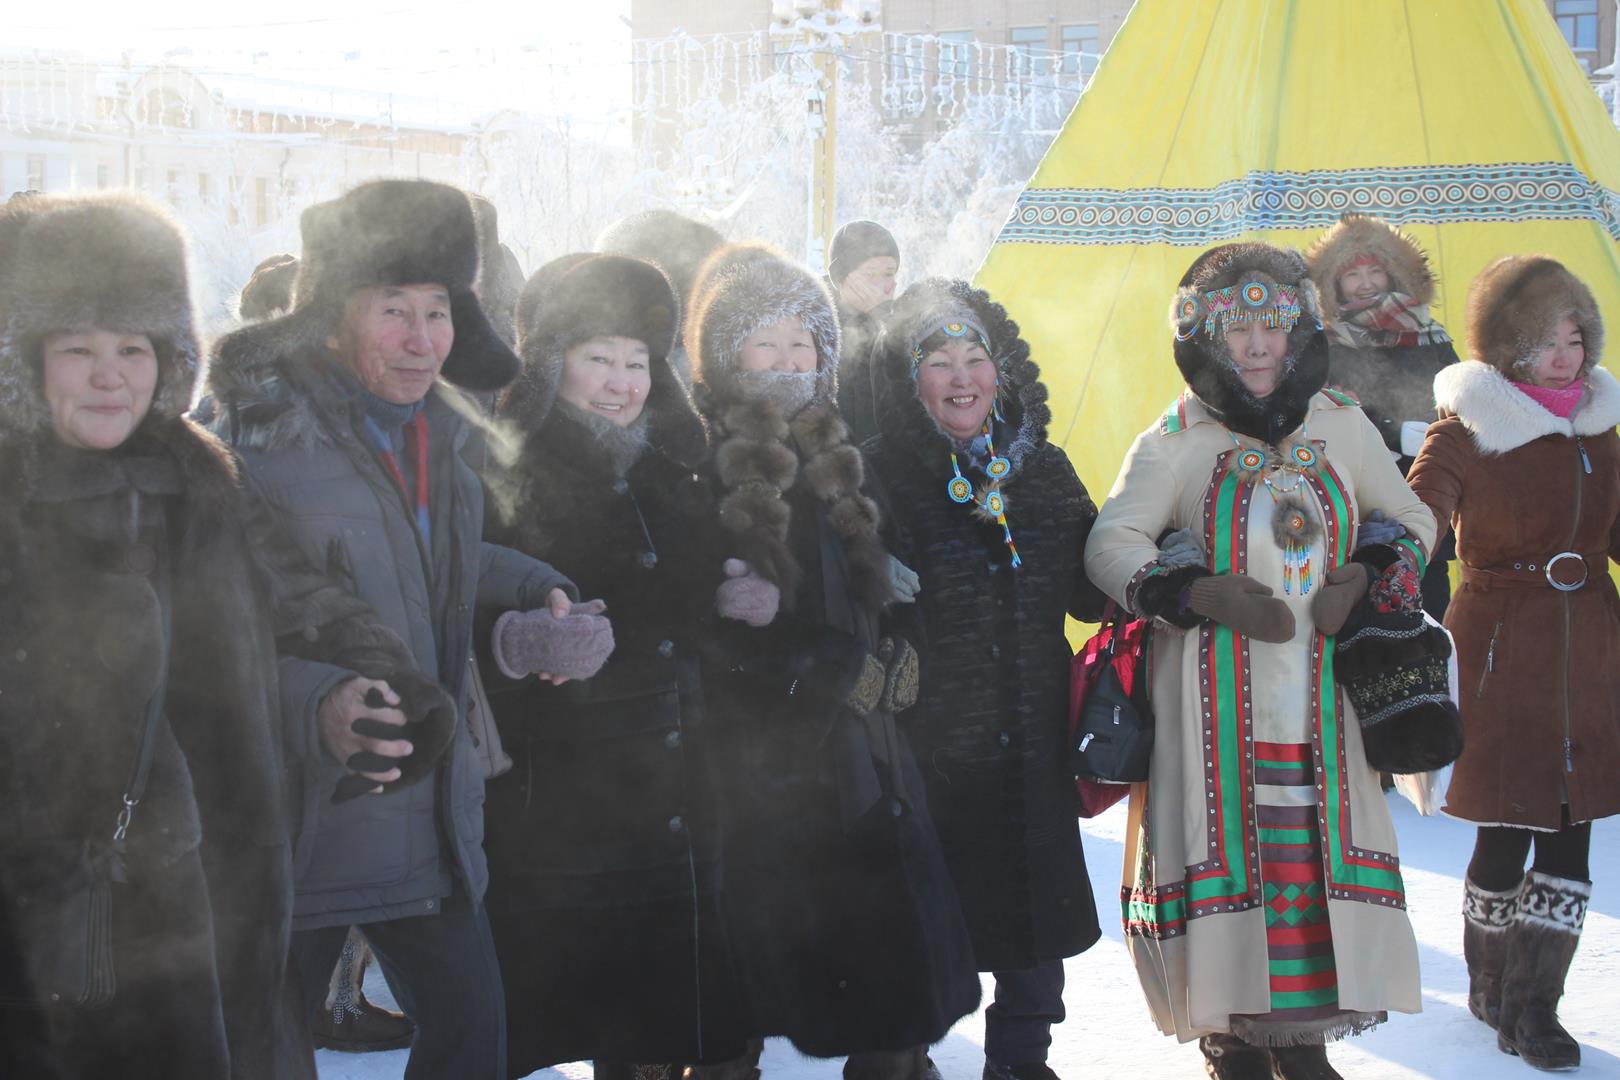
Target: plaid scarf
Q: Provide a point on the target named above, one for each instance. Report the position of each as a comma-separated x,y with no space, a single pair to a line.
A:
1392,320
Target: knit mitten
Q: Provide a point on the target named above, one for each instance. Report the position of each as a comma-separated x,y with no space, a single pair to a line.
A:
1244,604
745,596
529,642
1343,589
867,692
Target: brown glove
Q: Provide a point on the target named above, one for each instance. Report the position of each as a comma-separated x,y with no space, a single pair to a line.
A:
899,661
1340,593
1244,604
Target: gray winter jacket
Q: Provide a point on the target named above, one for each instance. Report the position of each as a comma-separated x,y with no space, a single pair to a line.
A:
298,432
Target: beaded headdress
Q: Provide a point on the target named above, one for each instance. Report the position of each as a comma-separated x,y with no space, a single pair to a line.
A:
1256,299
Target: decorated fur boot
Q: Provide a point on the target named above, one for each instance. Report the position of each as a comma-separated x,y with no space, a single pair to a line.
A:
1486,919
1540,946
1227,1057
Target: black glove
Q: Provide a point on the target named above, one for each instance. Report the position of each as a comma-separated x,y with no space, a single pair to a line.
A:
430,725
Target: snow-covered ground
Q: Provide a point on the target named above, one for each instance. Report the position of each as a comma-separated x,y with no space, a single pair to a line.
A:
1108,1032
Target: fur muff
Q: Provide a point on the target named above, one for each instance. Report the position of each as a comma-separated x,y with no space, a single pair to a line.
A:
581,296
109,262
1515,304
1357,235
385,232
1203,359
742,288
678,245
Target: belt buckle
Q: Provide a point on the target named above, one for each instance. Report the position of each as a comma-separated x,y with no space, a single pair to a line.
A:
1560,557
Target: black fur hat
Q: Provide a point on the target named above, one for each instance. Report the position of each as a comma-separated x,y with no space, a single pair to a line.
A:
580,296
1201,352
385,232
742,288
676,244
109,262
268,292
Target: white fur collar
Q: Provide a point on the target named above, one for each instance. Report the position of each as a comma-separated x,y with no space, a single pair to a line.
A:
1503,418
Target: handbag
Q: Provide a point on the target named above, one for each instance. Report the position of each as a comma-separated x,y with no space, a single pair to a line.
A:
1110,720
66,933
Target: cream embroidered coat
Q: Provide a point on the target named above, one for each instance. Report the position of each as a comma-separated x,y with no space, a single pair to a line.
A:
1193,902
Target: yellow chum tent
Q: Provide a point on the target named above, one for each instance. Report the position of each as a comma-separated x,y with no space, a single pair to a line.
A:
1467,122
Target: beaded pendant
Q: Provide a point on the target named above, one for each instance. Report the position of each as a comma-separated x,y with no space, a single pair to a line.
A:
997,469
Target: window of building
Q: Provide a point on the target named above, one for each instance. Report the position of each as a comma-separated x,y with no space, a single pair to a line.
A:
1031,42
171,185
202,187
261,201
956,53
1080,48
1578,19
36,172
233,211
103,175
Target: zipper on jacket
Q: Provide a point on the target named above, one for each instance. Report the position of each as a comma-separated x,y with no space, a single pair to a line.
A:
1586,462
1490,659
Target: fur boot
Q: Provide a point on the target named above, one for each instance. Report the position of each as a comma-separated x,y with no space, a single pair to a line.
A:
745,1067
909,1064
1227,1057
1302,1063
1540,946
1486,919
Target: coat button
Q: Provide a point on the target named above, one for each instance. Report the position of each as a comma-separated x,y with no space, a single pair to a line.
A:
666,648
672,740
895,808
648,560
1004,739
995,652
620,486
140,559
676,825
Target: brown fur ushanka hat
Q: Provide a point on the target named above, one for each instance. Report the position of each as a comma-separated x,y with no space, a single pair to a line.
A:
1516,302
1359,235
106,262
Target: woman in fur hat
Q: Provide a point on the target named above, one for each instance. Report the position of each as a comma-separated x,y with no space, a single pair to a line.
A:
964,401
1265,911
847,931
602,840
135,606
1525,467
1384,347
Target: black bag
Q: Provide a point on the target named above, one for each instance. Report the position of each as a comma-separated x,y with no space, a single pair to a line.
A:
1112,732
65,934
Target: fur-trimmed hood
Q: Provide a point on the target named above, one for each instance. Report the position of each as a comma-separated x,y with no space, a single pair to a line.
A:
578,297
1516,302
109,262
1357,235
1022,393
1501,417
385,232
742,288
1202,356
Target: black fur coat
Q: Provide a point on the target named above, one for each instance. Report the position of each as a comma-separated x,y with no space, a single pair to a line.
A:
990,729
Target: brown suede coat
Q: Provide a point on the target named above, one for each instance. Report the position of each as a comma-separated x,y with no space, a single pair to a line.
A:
1539,668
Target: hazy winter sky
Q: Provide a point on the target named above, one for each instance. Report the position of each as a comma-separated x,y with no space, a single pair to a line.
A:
479,51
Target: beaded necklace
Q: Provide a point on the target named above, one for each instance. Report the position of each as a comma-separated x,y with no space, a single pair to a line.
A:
1292,525
990,500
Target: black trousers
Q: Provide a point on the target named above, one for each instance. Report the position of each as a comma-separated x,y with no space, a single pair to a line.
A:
442,969
1500,852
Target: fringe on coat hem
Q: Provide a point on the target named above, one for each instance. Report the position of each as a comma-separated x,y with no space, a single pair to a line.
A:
1258,1031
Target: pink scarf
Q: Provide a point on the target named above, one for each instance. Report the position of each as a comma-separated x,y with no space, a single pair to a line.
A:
1560,403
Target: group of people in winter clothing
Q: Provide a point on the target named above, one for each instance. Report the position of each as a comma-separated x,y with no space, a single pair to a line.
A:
588,652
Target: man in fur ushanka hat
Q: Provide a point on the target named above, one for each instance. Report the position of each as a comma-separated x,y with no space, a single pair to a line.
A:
849,935
349,415
1384,347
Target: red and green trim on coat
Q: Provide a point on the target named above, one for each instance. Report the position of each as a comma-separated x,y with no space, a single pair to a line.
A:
1228,879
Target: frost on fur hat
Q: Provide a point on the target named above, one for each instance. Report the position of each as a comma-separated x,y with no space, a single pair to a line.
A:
1361,236
1515,304
745,287
385,232
675,244
107,262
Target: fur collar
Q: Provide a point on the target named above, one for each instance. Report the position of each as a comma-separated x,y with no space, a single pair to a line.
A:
1501,418
760,456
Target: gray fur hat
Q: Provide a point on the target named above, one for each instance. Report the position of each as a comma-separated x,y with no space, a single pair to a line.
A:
676,244
385,232
110,262
742,288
